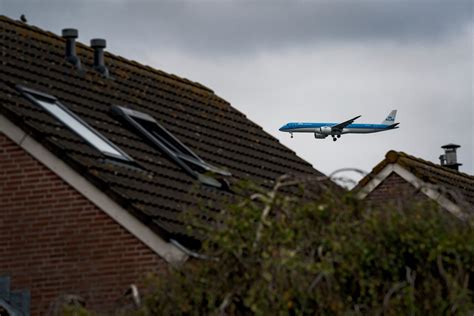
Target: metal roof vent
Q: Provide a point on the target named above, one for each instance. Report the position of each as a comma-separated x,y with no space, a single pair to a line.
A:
449,159
98,44
70,35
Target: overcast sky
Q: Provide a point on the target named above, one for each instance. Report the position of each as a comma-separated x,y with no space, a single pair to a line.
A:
321,61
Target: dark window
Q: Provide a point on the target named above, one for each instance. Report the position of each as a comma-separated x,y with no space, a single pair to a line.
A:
51,105
147,127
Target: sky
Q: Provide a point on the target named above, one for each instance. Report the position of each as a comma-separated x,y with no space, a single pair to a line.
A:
311,61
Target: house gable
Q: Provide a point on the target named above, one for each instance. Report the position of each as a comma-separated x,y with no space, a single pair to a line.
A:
74,221
164,249
393,188
55,242
401,174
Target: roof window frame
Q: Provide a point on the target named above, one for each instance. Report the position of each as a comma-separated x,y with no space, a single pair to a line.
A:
172,147
35,97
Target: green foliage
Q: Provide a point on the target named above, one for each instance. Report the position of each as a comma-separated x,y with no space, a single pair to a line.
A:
68,310
273,254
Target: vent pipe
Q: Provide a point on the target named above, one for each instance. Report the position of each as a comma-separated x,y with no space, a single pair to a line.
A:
449,159
70,35
98,44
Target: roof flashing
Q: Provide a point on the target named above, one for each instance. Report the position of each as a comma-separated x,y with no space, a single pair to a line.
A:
42,95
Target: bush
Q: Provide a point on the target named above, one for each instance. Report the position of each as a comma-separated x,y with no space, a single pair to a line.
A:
273,254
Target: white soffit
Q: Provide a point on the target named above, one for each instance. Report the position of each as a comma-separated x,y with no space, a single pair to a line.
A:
164,249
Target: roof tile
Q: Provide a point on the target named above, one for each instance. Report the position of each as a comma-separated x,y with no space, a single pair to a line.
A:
156,190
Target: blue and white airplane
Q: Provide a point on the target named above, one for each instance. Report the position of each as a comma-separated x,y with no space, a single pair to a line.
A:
323,130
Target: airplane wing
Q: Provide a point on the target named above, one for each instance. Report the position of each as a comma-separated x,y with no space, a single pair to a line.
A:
340,126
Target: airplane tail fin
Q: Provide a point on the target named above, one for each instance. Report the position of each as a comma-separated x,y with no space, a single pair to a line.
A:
390,119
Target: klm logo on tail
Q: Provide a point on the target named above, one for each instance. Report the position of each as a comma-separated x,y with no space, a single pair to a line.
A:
390,118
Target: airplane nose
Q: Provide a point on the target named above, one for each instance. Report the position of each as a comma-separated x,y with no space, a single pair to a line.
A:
281,129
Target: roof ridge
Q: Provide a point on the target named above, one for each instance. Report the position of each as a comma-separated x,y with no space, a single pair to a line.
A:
432,164
130,62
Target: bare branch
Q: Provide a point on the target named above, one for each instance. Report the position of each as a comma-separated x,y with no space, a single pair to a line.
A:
395,288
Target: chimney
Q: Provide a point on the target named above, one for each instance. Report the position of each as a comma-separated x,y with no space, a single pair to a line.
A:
98,44
449,159
70,35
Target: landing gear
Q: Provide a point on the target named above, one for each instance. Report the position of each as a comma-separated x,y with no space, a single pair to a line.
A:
338,136
334,138
291,135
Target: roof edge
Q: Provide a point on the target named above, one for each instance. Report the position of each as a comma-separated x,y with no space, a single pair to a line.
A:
164,249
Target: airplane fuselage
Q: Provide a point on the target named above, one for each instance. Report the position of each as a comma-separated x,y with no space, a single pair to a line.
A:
323,130
316,128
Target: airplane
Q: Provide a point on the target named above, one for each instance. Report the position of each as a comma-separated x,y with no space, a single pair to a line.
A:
323,130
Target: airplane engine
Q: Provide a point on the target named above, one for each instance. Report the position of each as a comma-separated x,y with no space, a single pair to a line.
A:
320,136
325,130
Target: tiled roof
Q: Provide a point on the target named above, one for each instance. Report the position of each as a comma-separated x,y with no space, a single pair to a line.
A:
453,181
203,121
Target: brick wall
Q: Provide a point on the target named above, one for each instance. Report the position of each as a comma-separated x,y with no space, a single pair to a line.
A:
394,190
53,241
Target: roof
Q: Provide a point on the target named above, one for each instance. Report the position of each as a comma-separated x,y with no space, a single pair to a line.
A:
428,172
158,191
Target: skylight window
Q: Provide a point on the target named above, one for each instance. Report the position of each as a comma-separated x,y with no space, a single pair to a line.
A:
171,146
74,123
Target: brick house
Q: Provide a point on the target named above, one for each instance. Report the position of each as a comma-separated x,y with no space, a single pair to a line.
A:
401,177
99,157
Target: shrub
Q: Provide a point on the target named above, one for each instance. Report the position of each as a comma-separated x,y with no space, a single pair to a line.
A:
273,254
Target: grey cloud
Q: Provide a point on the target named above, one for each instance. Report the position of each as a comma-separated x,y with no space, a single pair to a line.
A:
236,27
290,61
